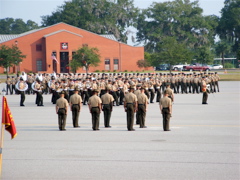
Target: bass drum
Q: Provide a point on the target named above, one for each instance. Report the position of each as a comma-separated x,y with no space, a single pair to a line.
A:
25,86
33,86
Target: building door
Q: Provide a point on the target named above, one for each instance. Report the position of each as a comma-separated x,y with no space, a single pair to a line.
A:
64,62
54,63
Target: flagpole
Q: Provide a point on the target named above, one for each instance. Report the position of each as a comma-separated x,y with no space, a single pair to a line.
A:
2,131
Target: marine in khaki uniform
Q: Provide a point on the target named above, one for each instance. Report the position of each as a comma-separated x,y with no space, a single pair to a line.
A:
94,104
8,83
107,105
39,97
170,92
137,92
204,90
216,82
75,103
13,82
61,110
22,86
142,107
166,110
130,106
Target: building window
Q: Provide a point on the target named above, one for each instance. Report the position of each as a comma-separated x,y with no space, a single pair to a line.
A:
38,47
39,64
115,64
73,53
107,64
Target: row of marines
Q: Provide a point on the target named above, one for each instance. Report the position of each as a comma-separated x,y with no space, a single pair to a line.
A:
135,101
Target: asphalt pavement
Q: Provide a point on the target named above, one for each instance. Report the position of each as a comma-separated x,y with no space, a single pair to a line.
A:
204,142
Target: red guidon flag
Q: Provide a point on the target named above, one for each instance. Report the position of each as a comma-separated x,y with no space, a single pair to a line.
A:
7,118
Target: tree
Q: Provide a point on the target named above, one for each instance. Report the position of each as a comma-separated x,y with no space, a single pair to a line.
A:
146,62
98,16
171,52
222,47
181,19
204,55
229,24
16,26
10,56
85,57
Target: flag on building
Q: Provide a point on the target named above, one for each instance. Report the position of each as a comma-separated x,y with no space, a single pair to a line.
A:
53,57
7,118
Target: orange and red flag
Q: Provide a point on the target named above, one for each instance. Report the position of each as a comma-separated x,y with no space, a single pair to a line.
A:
7,118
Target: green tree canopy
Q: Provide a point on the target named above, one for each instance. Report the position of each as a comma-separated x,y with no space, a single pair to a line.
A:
221,48
204,55
10,56
85,57
229,25
181,19
98,16
16,26
171,52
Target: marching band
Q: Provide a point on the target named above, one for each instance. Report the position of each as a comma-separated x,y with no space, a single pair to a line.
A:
117,83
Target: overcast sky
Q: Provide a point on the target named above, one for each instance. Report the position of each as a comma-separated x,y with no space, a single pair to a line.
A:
34,9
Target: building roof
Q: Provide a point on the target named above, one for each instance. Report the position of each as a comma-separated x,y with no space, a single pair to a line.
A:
109,36
7,37
62,30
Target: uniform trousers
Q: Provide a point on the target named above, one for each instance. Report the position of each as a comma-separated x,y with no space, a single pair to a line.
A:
9,88
114,94
66,96
177,86
147,94
29,90
205,97
173,87
217,87
195,88
121,97
158,95
141,114
166,118
39,99
102,92
71,93
22,98
95,111
75,114
130,116
107,111
151,91
85,97
62,116
13,88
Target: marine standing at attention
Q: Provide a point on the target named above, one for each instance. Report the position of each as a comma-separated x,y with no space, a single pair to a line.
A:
22,86
107,105
94,104
75,103
130,106
166,110
204,90
142,107
61,110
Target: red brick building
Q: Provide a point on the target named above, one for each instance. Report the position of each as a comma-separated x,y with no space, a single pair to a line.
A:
63,40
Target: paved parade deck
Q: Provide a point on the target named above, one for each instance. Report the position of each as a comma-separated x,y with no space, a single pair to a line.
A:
204,142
